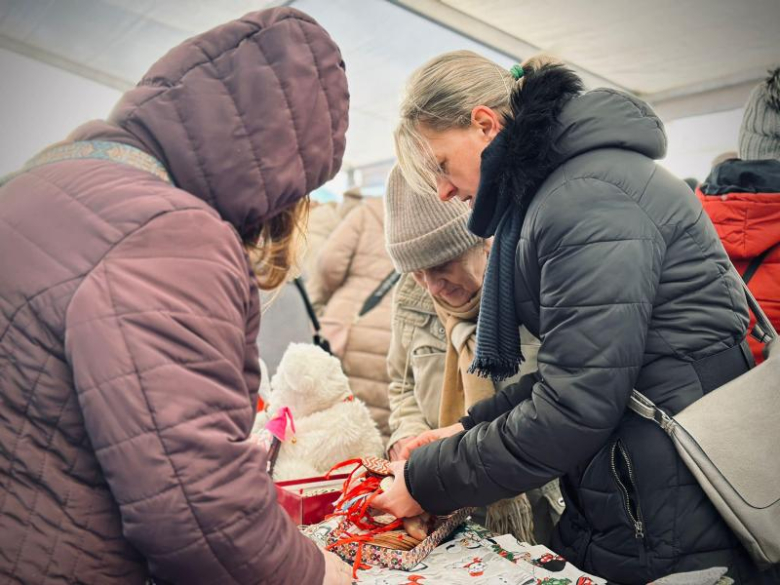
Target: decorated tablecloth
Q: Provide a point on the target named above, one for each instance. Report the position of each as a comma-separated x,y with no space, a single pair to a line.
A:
474,556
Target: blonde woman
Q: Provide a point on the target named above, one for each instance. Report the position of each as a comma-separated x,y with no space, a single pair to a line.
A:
608,259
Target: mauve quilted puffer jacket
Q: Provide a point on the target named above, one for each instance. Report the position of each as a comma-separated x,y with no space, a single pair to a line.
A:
128,318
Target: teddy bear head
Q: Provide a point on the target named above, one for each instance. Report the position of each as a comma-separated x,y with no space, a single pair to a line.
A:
308,380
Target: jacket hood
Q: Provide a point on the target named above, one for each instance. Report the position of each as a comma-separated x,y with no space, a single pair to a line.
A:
743,176
605,118
742,198
250,116
551,122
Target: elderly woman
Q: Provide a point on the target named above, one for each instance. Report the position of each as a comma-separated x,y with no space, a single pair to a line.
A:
611,262
435,309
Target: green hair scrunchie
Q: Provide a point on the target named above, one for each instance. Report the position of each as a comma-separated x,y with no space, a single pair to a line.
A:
517,71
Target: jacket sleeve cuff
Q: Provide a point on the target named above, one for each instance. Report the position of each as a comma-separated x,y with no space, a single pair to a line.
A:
424,481
468,422
408,481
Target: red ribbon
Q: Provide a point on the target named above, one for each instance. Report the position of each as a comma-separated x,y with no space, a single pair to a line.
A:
357,513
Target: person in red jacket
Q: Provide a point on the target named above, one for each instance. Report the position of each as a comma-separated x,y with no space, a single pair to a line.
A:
742,198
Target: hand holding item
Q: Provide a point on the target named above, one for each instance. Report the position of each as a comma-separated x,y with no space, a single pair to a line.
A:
417,527
429,437
397,500
337,572
395,451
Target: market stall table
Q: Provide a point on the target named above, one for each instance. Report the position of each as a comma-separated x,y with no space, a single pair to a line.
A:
475,556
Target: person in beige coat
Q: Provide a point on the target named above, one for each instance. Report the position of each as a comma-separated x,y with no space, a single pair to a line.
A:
323,219
435,309
352,264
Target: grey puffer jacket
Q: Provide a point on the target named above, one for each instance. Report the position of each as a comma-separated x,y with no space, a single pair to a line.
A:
621,275
128,317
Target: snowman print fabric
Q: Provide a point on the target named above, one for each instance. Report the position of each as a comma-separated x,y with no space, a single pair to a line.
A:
473,556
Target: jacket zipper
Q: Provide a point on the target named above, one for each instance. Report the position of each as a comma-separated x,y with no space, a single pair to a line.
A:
634,516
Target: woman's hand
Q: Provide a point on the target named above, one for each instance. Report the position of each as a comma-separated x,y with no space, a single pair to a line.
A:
337,572
397,500
395,451
429,437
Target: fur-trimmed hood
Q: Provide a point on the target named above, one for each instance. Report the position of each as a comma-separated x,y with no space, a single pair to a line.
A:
553,121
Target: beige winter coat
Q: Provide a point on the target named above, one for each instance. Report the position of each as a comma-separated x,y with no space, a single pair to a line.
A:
323,219
416,368
352,264
415,362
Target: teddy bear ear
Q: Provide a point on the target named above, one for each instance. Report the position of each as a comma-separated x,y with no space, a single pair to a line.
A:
306,384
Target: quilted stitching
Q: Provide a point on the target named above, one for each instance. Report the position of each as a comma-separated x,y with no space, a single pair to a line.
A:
155,383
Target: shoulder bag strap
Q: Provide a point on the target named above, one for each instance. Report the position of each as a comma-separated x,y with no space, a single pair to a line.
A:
96,150
379,292
319,340
298,282
763,330
756,262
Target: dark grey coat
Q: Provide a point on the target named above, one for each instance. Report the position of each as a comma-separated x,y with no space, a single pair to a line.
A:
623,278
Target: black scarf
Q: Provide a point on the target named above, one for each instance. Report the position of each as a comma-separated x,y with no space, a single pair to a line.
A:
513,167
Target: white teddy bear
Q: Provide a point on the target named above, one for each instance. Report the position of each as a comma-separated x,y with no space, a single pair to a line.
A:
331,425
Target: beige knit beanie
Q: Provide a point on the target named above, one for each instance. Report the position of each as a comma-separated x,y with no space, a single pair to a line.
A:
422,231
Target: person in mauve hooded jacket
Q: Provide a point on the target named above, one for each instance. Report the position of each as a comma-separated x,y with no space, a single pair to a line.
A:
129,312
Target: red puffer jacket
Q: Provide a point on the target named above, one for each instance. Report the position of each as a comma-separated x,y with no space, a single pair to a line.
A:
743,200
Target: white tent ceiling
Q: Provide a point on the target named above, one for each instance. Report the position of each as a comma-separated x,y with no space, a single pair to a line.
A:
666,51
114,42
685,56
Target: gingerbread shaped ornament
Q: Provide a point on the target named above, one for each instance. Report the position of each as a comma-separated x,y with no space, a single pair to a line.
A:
377,466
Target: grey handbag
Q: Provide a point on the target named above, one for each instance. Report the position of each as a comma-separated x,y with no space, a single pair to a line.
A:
730,440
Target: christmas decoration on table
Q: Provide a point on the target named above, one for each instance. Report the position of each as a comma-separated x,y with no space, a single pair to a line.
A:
449,563
471,549
313,420
548,567
369,537
550,561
